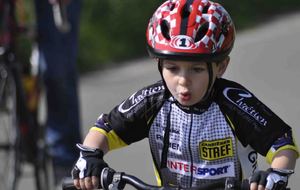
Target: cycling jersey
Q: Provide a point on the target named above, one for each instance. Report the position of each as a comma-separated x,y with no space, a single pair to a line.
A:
197,144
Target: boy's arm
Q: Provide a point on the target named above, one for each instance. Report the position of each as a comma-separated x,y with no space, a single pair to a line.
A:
284,159
95,139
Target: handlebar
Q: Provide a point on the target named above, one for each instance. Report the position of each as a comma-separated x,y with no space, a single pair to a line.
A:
111,180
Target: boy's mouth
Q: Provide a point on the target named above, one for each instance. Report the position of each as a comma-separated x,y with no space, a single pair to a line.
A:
185,96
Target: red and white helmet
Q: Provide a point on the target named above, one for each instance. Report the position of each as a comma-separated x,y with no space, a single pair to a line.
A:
190,30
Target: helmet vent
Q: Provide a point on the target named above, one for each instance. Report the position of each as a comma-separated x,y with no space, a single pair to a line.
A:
205,10
165,29
172,6
201,31
186,11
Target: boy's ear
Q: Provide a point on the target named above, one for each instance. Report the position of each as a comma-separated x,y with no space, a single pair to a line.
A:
222,66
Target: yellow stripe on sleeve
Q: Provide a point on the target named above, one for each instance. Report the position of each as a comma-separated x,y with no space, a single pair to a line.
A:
114,141
271,153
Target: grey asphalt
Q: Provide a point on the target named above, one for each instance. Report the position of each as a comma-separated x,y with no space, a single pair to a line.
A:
265,59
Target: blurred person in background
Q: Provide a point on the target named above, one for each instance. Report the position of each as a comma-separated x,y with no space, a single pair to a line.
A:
59,51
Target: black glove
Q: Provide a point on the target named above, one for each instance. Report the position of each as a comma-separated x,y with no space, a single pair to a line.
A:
273,179
90,163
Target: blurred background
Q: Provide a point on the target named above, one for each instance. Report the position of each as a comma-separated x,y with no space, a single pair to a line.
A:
113,31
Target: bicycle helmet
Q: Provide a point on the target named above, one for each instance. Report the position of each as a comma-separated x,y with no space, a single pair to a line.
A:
195,30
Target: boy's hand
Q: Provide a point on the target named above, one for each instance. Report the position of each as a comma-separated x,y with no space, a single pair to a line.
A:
272,179
87,170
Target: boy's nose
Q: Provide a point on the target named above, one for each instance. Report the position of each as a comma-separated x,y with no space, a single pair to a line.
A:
184,79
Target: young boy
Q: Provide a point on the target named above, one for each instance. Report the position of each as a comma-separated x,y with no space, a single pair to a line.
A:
200,127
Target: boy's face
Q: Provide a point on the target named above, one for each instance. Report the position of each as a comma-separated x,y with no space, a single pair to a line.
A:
188,81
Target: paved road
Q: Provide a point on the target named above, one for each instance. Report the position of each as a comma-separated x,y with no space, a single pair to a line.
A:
265,59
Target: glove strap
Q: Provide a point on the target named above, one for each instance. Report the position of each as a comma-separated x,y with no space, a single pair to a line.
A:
89,150
282,172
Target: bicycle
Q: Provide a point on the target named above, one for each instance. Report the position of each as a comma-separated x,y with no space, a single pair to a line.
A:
22,128
112,180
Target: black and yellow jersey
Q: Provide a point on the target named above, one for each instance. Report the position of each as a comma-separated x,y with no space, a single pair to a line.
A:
197,144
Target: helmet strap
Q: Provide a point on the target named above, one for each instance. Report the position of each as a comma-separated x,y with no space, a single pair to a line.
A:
210,81
159,65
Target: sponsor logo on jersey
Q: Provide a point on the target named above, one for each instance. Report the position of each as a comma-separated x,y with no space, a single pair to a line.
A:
214,150
138,97
201,171
252,157
239,98
174,146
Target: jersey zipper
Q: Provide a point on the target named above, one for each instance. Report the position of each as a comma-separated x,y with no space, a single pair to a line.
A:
190,150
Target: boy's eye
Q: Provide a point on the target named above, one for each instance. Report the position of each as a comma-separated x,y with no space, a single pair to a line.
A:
172,68
199,69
